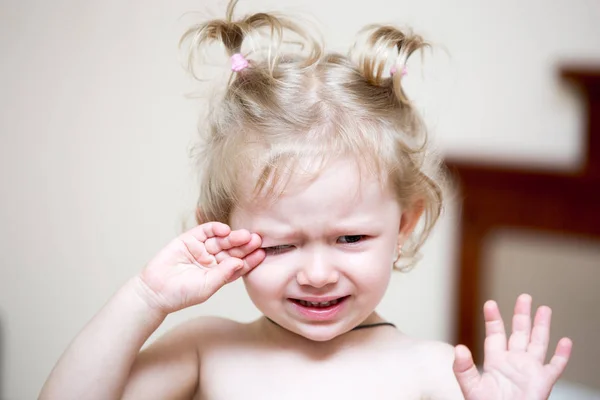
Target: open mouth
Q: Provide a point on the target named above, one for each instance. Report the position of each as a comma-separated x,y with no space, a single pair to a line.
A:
320,305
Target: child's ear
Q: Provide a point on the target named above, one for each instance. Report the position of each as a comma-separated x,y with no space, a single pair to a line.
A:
409,219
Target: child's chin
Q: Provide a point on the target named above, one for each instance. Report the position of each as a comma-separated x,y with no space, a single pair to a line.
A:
320,334
322,338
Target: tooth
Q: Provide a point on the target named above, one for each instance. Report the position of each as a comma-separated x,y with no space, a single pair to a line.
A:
306,303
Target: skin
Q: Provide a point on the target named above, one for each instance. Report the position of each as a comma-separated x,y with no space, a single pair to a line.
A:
333,235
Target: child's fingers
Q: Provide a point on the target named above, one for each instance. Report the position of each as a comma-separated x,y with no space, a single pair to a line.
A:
197,250
250,262
495,336
465,370
559,361
220,274
241,251
253,259
215,245
208,230
540,334
521,324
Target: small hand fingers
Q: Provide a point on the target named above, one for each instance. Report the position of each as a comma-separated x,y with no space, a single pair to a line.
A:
221,274
249,263
495,340
540,334
559,361
210,229
521,324
465,370
197,250
237,238
241,251
253,259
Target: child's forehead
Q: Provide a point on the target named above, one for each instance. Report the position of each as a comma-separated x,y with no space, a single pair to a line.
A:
340,179
336,199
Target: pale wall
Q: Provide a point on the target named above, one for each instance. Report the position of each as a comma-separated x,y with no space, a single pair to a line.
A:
95,129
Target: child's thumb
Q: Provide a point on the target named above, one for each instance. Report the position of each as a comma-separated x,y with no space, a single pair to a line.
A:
465,370
221,274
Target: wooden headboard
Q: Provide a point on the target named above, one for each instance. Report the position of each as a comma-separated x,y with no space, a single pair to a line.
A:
501,197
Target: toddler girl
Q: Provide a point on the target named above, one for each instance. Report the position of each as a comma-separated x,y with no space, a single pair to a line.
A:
317,183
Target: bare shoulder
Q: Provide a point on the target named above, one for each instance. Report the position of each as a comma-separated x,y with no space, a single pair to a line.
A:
194,332
206,326
218,329
435,352
430,349
432,361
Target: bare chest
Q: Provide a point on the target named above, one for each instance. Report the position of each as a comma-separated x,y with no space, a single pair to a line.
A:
254,376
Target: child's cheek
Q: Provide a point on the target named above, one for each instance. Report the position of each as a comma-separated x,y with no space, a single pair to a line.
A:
268,276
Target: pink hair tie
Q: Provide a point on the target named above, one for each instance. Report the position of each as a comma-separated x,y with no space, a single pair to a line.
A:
393,70
238,62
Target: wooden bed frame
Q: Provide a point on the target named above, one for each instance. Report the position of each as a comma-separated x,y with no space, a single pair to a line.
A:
501,197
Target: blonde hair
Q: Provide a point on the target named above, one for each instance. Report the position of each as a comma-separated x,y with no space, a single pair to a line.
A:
289,105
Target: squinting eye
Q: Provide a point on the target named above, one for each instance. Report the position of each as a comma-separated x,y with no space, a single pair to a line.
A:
275,250
351,238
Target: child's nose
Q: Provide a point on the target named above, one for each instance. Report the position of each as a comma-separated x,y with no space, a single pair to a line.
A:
317,270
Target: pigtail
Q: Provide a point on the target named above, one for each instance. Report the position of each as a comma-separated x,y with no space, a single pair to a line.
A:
383,56
264,33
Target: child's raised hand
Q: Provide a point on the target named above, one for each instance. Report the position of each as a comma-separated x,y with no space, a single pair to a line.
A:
517,370
193,266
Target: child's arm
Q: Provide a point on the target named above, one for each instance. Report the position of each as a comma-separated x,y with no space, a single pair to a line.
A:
98,361
98,364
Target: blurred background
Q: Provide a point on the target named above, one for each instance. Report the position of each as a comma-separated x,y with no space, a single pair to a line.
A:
96,126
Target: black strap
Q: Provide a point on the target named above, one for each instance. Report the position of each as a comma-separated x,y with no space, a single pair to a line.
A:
374,325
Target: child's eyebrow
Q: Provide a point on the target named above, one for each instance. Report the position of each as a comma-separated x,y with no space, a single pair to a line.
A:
362,227
278,234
